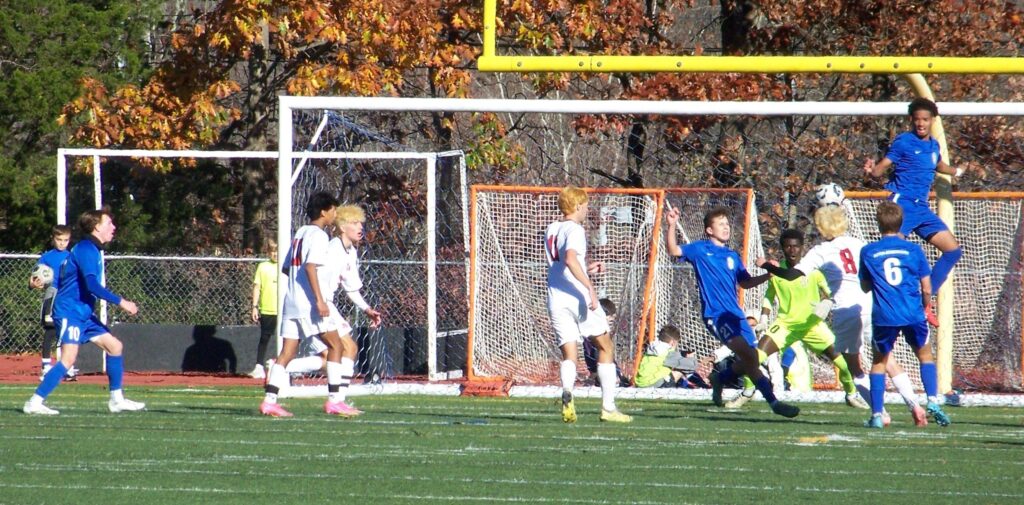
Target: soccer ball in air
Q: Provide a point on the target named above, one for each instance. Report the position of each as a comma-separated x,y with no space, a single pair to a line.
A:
44,274
830,194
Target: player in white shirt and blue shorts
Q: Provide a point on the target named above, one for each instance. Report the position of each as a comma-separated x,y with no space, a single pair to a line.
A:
573,305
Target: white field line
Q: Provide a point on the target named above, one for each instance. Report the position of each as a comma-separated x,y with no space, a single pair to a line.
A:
181,467
561,483
374,497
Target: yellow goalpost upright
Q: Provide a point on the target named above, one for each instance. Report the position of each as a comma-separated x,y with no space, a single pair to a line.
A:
911,67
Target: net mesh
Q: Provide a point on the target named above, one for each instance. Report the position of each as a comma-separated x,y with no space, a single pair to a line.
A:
987,295
512,333
393,256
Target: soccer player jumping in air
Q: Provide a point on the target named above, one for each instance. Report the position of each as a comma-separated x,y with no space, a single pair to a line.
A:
719,271
914,157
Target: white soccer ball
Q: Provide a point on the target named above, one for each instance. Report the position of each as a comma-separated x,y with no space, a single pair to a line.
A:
44,274
830,194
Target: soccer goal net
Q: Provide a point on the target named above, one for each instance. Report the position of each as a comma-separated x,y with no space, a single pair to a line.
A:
780,150
987,296
413,257
511,332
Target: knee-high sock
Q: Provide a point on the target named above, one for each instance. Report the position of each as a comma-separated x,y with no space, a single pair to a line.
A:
305,364
877,393
943,266
930,380
844,374
115,372
606,372
51,380
567,372
765,387
334,382
277,379
347,371
902,384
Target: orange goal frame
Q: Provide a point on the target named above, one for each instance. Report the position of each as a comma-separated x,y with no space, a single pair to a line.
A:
648,303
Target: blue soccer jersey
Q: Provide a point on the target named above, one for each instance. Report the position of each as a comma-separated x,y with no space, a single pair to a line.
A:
718,270
895,267
80,283
914,161
53,259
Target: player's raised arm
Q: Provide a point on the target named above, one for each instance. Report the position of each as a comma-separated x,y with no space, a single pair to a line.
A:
877,169
671,241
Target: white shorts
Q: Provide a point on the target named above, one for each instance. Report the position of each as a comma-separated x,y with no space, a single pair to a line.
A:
311,345
570,327
852,327
304,327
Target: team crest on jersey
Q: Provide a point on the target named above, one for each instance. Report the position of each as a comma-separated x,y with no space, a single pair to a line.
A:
730,263
935,158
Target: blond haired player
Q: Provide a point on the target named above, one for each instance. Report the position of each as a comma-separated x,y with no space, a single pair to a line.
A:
573,306
838,258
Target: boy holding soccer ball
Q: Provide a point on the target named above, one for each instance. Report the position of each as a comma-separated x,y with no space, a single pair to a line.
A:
49,263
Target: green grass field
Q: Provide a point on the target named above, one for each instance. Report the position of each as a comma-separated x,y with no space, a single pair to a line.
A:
209,446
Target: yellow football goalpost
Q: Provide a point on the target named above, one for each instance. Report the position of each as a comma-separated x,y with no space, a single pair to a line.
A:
911,67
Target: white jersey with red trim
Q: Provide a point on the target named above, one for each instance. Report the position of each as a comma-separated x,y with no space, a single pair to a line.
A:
564,290
839,260
308,246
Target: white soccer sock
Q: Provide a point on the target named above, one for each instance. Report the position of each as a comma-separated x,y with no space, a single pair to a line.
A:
567,372
863,384
277,377
348,368
117,395
906,389
304,365
606,373
334,380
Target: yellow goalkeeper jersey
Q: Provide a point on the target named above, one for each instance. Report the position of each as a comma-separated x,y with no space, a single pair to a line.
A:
796,298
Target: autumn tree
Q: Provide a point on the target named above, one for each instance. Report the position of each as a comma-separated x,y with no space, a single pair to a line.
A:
46,47
226,66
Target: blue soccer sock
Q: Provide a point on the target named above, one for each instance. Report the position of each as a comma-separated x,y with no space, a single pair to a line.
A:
929,378
877,393
765,387
943,266
115,372
727,376
51,380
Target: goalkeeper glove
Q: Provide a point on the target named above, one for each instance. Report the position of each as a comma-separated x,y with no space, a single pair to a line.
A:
762,325
823,308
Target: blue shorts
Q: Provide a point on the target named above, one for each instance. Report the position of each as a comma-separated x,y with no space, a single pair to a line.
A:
727,326
76,331
884,337
918,218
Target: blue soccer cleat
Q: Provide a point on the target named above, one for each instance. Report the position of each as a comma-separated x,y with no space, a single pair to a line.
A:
937,414
875,422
